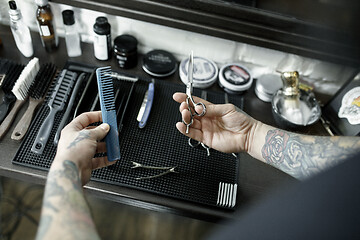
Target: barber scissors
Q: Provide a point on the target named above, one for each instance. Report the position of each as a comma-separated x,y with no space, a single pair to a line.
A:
193,143
189,99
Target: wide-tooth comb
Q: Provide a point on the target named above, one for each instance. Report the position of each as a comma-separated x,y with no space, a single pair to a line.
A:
20,90
37,93
56,103
11,74
107,103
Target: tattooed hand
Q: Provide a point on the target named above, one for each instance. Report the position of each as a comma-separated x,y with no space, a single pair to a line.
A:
224,127
79,143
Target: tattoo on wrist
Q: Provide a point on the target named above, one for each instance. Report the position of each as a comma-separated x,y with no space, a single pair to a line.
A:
302,157
64,203
82,135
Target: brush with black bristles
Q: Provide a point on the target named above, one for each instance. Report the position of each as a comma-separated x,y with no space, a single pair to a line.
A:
20,91
10,72
37,93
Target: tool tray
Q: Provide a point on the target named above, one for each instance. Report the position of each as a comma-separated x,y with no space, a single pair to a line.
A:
210,180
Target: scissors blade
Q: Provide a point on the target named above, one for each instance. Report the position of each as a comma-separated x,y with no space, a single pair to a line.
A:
190,75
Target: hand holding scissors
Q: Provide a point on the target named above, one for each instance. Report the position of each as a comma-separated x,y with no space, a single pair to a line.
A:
189,99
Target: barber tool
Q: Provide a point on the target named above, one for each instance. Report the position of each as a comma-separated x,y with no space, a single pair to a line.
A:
20,91
122,77
167,170
37,92
56,103
107,103
11,71
194,143
120,125
292,107
146,105
116,76
85,97
70,104
189,99
205,72
95,103
132,79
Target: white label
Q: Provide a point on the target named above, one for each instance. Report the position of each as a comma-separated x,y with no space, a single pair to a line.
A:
350,106
100,47
45,30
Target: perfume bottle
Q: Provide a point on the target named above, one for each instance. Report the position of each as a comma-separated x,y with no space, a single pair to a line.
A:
46,24
20,31
72,37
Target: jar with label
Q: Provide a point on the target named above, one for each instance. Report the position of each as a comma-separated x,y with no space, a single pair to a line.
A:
102,39
46,24
125,49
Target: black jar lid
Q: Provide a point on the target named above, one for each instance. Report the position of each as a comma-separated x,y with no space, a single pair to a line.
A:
125,43
159,63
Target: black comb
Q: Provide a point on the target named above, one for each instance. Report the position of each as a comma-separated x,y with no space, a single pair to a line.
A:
56,103
37,93
11,72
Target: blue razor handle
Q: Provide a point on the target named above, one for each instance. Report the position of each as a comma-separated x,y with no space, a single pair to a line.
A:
149,102
107,104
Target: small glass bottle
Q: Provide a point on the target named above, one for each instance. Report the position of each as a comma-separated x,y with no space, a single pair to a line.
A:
72,37
46,24
20,31
102,39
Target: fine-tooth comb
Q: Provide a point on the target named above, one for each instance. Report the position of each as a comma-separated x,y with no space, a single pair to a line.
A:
37,92
11,73
20,90
56,103
107,103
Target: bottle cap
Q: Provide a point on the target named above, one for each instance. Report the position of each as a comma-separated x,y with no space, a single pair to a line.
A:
14,12
101,26
204,75
159,63
12,5
68,17
125,44
41,3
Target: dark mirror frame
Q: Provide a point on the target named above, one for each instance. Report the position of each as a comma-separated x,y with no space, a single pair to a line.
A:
248,24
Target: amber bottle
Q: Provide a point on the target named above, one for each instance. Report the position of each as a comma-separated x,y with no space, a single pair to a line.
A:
46,24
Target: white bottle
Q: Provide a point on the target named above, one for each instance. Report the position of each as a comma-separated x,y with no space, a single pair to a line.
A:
72,37
20,31
102,39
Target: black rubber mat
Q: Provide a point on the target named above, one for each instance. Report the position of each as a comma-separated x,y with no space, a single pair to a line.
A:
198,178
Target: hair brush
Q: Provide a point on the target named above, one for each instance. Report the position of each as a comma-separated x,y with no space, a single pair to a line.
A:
20,90
37,92
56,103
10,73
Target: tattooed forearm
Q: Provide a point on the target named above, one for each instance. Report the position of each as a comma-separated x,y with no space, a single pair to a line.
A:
82,135
302,156
65,212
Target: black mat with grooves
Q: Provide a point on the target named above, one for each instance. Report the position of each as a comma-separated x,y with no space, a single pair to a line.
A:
158,144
